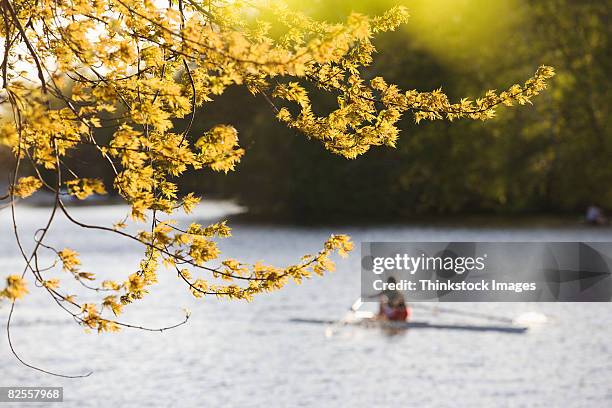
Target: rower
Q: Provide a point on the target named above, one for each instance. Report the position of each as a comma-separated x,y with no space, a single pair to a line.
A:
595,216
392,304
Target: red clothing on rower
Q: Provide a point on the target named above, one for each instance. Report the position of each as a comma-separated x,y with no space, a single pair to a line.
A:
393,305
399,313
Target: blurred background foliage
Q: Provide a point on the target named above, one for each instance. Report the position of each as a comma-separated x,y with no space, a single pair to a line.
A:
549,158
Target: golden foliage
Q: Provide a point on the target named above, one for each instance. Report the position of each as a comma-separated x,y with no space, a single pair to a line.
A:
16,288
136,66
84,187
26,186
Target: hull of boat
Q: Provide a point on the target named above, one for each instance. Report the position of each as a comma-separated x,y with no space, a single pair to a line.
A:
383,324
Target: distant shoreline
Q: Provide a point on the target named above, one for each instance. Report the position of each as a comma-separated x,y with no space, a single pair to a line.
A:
454,220
526,220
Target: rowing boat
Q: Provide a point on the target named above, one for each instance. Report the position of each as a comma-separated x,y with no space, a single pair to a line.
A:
393,325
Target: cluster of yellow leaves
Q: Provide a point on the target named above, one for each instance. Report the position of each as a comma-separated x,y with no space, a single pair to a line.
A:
190,201
71,263
44,134
219,148
360,123
70,259
150,160
51,284
26,186
16,288
265,278
84,187
92,319
112,303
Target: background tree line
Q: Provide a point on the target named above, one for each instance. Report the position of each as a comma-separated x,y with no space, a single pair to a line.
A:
552,157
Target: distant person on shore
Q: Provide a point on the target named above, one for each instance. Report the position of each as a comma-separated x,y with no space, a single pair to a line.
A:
595,216
392,304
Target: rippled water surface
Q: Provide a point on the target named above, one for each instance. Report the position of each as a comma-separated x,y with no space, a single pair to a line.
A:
249,355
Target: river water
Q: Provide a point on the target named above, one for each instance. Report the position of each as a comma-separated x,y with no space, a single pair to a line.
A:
233,354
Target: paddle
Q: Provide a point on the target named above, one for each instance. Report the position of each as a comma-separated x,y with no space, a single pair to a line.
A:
462,313
528,318
334,325
352,313
356,305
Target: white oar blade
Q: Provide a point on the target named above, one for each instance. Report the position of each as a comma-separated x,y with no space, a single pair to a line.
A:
529,319
364,314
356,305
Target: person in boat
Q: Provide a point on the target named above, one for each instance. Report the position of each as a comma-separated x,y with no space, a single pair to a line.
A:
393,304
595,216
